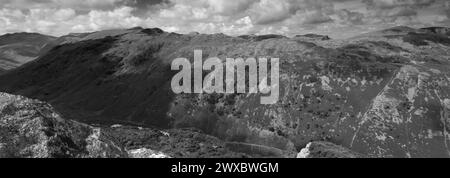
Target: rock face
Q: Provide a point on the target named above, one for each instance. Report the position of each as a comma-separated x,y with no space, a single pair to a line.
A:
174,143
146,153
380,94
326,150
19,48
32,129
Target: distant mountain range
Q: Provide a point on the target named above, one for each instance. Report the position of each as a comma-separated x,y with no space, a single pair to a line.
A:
380,94
20,48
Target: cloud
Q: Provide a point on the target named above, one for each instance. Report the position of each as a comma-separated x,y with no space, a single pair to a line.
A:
386,4
229,8
349,17
402,12
269,11
286,17
446,7
317,18
62,21
73,4
310,18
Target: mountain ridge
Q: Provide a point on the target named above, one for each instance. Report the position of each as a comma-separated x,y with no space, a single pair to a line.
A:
373,94
17,49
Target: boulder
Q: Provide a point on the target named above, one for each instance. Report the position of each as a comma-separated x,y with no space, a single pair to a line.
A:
146,153
326,150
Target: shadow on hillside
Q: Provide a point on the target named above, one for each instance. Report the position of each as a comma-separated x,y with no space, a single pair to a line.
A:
82,84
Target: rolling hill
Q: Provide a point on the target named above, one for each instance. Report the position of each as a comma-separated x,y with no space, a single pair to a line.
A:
19,48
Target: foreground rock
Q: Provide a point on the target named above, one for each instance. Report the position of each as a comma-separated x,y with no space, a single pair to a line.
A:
33,129
326,150
146,153
174,143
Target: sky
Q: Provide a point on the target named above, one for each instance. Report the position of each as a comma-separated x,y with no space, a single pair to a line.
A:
336,18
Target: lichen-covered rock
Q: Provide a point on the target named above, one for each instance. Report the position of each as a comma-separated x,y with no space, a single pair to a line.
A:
447,104
174,143
146,153
32,129
326,150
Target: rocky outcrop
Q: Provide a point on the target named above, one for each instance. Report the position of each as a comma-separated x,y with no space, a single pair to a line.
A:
175,143
32,129
146,153
326,150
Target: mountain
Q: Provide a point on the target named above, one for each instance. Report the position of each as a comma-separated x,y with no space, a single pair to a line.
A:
381,94
313,37
19,48
438,30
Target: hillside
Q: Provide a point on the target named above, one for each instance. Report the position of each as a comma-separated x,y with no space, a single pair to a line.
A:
33,129
19,48
382,94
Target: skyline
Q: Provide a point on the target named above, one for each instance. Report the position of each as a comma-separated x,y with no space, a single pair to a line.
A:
336,18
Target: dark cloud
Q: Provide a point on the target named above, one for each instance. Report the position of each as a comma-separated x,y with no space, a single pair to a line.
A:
142,4
387,4
142,7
